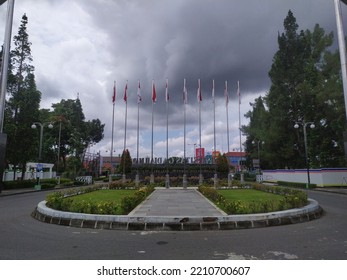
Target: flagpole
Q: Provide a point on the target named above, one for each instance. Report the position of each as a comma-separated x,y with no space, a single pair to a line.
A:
111,154
227,111
125,128
167,181
215,179
185,96
238,92
153,101
200,159
137,179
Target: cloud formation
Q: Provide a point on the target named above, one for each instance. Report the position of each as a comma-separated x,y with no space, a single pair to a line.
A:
84,46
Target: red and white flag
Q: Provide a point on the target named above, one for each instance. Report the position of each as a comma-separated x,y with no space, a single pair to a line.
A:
226,94
185,92
167,97
154,93
139,98
114,93
125,98
199,96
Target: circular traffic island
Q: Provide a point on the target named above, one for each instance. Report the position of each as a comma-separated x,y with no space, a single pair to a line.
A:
180,199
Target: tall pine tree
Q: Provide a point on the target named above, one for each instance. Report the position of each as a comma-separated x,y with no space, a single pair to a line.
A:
306,87
125,162
22,108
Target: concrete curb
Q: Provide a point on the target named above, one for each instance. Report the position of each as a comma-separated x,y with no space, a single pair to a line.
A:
178,223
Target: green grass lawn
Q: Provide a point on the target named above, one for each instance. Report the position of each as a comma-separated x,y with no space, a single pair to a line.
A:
98,201
103,196
108,201
248,195
246,201
242,201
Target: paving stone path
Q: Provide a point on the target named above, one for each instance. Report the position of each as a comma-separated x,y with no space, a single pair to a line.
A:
177,202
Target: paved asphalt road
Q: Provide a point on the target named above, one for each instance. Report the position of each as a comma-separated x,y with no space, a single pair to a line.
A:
22,237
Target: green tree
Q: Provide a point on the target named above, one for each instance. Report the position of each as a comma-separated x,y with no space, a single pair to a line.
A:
76,134
22,108
222,164
125,162
327,143
285,98
306,86
256,130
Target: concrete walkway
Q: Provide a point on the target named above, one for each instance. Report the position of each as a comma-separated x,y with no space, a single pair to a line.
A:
176,202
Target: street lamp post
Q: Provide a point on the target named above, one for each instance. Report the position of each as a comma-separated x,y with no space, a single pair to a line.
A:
33,126
59,138
304,125
111,164
258,148
39,166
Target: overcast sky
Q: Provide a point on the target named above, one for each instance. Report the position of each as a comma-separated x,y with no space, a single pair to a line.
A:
83,46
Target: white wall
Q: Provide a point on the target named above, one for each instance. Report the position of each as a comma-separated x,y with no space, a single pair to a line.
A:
323,177
8,175
31,172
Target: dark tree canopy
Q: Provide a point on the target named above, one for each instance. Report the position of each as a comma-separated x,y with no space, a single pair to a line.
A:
22,108
306,87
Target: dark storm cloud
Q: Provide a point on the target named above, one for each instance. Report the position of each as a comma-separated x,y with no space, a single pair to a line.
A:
222,40
84,46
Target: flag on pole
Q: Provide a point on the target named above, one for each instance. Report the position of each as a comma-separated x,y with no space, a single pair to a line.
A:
185,92
226,94
167,97
139,98
114,93
238,91
199,96
125,92
154,93
212,91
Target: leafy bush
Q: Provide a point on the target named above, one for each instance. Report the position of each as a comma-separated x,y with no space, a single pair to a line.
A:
128,203
10,185
88,207
247,176
55,200
45,186
66,181
45,183
120,185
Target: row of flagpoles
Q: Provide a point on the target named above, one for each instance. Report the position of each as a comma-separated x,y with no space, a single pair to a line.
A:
167,98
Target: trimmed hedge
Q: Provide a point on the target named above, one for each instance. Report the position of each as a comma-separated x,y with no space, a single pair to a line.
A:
10,185
45,183
295,185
